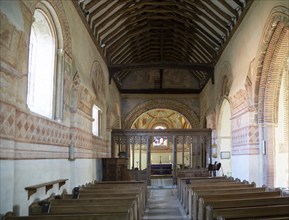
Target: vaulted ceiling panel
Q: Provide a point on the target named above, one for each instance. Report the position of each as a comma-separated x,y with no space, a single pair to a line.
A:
175,42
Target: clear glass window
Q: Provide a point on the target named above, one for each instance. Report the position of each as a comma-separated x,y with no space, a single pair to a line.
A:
41,66
96,124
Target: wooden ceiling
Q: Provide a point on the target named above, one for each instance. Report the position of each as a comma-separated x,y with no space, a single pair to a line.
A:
162,46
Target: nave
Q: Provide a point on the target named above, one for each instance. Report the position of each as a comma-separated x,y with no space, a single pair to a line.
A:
60,124
193,198
163,203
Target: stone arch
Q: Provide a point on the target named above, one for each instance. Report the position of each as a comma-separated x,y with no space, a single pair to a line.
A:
185,110
268,74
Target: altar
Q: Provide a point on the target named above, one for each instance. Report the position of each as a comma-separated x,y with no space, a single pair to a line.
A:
161,169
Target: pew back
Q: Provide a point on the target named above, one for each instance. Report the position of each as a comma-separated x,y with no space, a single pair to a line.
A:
236,203
114,216
250,212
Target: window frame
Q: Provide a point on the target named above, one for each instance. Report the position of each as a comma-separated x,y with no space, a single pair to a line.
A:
99,121
58,71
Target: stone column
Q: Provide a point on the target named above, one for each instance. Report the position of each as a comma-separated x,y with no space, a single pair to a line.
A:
183,152
59,86
148,160
132,152
268,151
174,160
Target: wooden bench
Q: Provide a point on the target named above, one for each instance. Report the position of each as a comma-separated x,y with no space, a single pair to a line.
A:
185,187
214,184
182,181
116,189
110,185
88,209
206,181
139,205
98,200
36,208
237,203
194,201
113,196
107,216
270,211
128,186
92,201
101,197
125,190
131,182
249,195
202,172
48,185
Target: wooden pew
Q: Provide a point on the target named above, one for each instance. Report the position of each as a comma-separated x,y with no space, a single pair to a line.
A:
213,183
110,185
91,201
89,191
237,203
117,189
139,196
87,209
36,208
98,200
121,187
107,216
182,181
124,186
198,182
238,195
107,192
194,202
114,195
219,186
268,211
192,172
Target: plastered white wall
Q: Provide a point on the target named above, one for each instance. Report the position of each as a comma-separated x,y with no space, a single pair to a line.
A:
243,167
18,174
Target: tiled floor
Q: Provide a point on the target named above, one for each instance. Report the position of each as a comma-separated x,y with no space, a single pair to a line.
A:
163,203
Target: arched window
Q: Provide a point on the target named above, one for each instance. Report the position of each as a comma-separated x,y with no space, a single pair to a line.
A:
45,65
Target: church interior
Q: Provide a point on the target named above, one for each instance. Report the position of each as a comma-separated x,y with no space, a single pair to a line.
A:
140,92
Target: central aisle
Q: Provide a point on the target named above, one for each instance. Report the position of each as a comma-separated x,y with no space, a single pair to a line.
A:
163,203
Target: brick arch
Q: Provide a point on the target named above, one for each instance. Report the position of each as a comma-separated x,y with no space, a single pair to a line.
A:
183,109
271,55
59,10
58,7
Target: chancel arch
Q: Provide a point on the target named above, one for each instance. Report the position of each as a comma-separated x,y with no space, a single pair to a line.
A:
183,109
167,118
